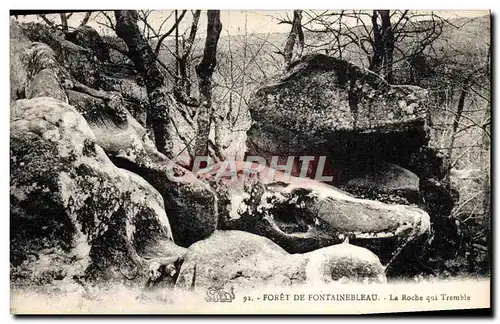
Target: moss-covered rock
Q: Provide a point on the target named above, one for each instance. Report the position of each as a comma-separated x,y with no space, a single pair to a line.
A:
302,215
387,182
81,62
326,106
190,203
245,261
44,78
72,211
18,43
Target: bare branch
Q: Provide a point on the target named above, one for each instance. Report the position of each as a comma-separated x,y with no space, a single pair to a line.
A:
108,18
165,20
296,31
170,31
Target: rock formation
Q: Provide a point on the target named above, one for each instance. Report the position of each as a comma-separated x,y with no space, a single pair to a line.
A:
190,203
243,260
71,208
302,214
329,107
92,196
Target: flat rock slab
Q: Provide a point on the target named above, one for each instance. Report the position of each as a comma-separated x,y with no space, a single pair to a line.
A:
301,214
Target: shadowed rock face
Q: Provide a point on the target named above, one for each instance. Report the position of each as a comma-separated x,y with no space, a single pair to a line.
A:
387,182
71,208
243,260
88,37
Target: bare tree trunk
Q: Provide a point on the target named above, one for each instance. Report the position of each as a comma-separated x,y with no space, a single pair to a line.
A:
487,153
176,45
300,34
182,88
85,19
456,121
183,59
295,32
145,62
486,170
205,70
383,45
457,116
388,40
378,45
64,22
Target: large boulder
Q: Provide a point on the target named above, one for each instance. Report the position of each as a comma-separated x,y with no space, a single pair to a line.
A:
190,203
18,43
302,214
388,182
73,212
246,261
326,106
85,54
44,76
88,37
81,62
